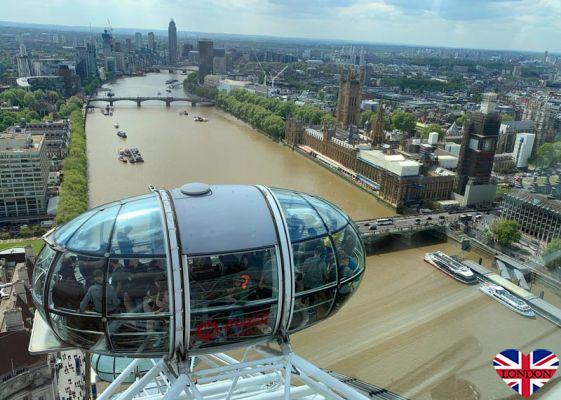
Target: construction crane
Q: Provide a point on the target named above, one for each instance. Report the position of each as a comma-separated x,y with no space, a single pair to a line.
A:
276,76
110,27
269,77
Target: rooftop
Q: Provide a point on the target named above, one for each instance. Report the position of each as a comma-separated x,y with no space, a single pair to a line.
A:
20,142
15,352
536,199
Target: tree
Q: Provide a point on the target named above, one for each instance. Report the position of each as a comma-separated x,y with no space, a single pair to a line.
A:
433,128
462,118
505,232
506,117
367,116
502,190
552,254
404,121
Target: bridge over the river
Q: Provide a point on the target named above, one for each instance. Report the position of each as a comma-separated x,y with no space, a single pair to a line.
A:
194,100
373,230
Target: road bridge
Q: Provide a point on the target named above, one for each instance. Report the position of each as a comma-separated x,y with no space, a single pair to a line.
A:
373,230
194,100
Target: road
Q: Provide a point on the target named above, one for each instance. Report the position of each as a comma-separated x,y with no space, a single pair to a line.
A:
415,222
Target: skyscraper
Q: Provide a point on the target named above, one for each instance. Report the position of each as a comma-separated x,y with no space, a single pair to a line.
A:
24,65
479,141
172,43
350,93
151,41
137,41
206,56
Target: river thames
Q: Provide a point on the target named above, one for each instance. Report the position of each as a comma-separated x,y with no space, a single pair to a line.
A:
409,328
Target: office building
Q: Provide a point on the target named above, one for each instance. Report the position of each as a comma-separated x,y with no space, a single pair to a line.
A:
219,62
137,41
57,135
24,172
151,41
86,63
24,64
508,132
206,56
185,50
523,147
128,45
475,163
538,215
107,42
33,83
349,99
172,43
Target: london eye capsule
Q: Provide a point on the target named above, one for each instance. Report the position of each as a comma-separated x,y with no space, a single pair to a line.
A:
195,270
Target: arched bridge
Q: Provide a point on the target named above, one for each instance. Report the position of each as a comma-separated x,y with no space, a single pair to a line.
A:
194,100
374,230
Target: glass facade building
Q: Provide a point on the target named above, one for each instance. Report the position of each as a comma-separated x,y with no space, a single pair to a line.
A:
196,269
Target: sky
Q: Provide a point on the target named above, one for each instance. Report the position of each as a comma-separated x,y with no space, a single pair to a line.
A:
533,25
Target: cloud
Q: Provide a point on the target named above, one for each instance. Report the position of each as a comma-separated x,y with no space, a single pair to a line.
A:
515,24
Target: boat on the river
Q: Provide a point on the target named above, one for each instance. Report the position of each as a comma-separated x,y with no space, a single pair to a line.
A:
183,112
122,134
507,299
122,159
116,126
198,118
452,267
170,81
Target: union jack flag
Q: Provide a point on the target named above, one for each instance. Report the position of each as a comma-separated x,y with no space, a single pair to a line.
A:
526,374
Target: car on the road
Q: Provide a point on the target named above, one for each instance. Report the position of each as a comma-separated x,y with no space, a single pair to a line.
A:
442,217
417,221
429,218
373,227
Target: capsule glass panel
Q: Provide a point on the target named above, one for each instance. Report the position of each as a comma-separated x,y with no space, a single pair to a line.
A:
314,264
137,286
303,220
94,235
138,229
40,270
327,267
234,297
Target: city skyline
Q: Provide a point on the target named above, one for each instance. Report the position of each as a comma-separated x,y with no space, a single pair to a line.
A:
499,24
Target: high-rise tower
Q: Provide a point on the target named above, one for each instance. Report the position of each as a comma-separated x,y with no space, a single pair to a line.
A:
151,41
479,141
24,64
172,43
206,57
350,93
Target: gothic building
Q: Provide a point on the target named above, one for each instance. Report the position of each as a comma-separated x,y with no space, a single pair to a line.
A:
350,93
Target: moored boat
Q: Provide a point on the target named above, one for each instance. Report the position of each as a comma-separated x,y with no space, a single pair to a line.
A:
507,299
122,134
452,267
198,118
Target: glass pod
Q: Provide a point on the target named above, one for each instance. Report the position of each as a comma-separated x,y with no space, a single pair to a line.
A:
196,269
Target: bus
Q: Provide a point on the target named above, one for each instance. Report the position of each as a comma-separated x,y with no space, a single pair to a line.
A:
384,221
